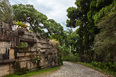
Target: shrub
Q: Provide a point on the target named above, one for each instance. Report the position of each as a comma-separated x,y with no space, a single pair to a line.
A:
73,58
105,66
60,61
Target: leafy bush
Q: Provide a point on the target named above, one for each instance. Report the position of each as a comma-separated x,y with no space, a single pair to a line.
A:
105,66
73,58
60,61
105,41
23,45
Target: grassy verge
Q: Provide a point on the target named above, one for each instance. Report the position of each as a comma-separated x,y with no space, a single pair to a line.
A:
32,73
112,73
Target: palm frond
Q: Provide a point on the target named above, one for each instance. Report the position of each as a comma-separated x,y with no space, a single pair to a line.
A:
6,12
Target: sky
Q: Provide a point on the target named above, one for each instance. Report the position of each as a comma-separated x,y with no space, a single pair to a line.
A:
53,9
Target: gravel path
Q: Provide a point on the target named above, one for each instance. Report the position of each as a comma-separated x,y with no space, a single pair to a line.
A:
73,70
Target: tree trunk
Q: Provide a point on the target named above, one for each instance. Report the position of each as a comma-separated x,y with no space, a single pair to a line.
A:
70,50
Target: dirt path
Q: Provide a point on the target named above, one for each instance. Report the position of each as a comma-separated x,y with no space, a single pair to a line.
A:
73,70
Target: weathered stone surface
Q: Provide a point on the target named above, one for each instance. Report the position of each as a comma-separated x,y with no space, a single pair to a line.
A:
4,70
28,65
7,61
42,62
38,53
20,54
33,66
5,44
4,25
11,69
24,58
44,41
43,45
22,64
2,50
5,35
11,54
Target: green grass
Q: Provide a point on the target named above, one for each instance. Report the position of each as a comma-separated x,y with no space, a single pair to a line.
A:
32,73
99,69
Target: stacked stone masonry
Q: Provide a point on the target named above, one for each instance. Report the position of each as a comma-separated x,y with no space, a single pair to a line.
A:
38,53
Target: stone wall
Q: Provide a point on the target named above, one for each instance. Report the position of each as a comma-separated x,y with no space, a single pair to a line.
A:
7,58
4,69
38,54
4,49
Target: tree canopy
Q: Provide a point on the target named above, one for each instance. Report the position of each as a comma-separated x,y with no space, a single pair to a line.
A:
39,22
86,15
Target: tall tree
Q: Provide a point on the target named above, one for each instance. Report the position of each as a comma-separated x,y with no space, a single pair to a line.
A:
78,17
6,12
71,40
55,29
39,22
28,14
86,15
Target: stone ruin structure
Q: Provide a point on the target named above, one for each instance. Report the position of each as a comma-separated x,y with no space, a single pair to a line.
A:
38,53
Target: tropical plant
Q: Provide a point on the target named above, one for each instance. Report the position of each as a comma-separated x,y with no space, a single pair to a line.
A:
21,24
54,42
6,12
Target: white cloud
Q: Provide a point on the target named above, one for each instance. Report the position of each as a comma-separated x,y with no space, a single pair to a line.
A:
54,9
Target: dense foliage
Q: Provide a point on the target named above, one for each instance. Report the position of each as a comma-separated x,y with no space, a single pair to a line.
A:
94,41
105,41
107,68
97,28
86,15
6,12
39,22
